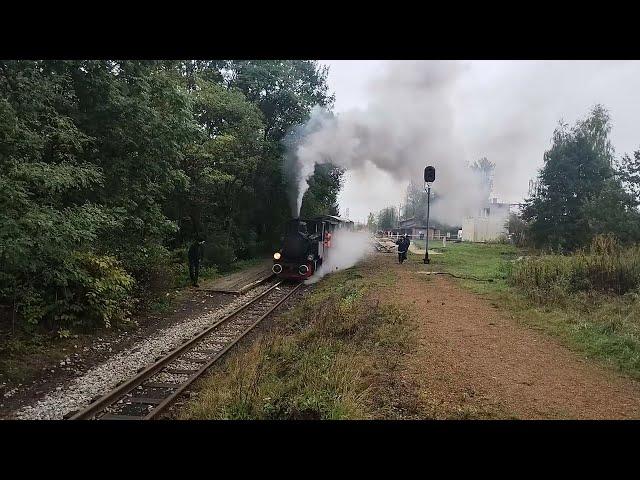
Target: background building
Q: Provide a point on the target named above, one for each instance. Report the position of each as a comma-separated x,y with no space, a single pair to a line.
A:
415,229
488,225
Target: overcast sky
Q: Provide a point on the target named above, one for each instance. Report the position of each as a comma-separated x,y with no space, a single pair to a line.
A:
504,110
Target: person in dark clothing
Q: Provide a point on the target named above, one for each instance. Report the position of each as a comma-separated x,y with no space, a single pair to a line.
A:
403,245
196,252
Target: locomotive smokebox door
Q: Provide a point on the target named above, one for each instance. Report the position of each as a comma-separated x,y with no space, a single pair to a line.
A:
429,174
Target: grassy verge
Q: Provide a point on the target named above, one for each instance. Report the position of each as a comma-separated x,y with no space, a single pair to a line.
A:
483,261
604,328
331,357
598,325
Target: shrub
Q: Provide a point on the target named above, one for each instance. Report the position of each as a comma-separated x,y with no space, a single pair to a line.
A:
605,267
95,291
219,254
100,294
88,290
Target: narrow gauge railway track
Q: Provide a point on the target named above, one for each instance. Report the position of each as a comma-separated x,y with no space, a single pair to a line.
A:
153,389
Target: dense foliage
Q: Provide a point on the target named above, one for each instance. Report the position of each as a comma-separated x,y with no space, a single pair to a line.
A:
581,194
109,168
628,169
321,196
604,267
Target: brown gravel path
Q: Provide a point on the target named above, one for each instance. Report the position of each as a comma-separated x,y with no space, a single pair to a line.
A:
474,362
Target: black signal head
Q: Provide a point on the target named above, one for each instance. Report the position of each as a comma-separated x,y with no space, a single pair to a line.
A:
429,174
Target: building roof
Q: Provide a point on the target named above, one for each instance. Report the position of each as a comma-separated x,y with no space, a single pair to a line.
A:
410,223
332,219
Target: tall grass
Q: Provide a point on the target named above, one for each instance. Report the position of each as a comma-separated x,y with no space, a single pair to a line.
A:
605,267
328,358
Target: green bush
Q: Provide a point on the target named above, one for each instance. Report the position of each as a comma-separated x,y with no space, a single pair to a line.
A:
152,268
100,295
87,290
219,254
248,250
605,267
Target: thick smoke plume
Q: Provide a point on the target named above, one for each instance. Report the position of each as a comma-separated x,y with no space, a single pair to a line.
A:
408,124
452,113
297,172
347,250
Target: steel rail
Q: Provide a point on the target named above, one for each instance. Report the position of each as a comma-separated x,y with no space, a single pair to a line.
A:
115,395
172,396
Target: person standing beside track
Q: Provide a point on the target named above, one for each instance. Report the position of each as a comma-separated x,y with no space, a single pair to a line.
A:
196,252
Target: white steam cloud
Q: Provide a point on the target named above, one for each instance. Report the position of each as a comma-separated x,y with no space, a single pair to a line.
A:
348,248
408,124
450,113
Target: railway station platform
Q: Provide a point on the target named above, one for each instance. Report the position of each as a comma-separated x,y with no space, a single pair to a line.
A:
242,281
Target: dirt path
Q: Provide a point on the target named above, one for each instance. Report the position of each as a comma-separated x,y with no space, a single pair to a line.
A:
474,362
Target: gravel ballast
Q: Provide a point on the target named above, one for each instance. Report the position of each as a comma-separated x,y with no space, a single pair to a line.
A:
98,380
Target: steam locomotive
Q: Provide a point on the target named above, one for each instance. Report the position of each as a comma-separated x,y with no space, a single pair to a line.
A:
305,245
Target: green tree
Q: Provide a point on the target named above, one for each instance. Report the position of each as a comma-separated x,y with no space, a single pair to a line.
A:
628,169
415,206
580,195
484,170
107,165
372,225
221,167
284,90
415,202
517,227
321,198
387,218
48,220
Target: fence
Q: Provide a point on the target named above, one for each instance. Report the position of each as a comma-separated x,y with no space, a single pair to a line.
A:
395,236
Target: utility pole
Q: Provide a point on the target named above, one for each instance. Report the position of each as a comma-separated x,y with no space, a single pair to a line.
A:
429,177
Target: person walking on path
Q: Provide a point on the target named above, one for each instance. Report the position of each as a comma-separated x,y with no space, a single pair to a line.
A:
403,245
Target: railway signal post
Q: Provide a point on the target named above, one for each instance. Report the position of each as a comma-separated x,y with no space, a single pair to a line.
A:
429,177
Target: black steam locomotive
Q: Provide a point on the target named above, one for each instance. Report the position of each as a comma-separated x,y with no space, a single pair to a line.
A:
305,245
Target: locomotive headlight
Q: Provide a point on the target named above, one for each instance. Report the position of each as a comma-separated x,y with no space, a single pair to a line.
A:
276,256
310,258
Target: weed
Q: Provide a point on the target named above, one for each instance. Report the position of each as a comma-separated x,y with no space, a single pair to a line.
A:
328,358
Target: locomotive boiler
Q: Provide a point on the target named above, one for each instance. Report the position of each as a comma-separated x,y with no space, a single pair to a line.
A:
305,245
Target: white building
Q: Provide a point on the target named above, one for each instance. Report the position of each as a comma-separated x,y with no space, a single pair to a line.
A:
489,223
